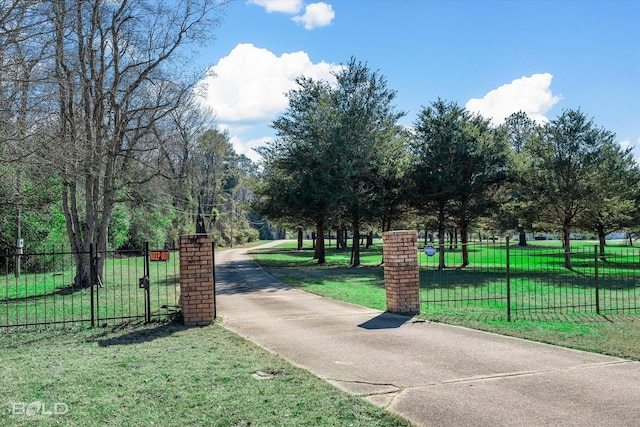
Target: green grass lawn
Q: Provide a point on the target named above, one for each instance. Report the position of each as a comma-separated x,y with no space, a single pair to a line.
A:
46,296
617,335
164,375
133,374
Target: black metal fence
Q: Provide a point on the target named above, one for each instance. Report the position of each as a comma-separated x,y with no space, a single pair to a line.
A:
38,288
520,282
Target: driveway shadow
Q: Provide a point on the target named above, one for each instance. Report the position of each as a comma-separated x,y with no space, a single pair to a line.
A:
237,277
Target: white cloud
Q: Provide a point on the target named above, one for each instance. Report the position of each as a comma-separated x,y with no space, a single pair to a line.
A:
250,83
247,90
635,148
315,15
247,147
284,6
529,94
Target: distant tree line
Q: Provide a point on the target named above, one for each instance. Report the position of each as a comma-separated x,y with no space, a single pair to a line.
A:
341,161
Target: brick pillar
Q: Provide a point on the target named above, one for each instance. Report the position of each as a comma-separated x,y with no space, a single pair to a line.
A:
196,279
401,277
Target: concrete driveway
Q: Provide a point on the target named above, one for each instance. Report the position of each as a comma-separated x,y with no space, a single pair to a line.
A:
429,373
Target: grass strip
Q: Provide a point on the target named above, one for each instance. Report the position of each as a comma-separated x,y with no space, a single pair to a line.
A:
163,374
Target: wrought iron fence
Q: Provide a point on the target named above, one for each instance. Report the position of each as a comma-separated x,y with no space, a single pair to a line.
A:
522,281
39,289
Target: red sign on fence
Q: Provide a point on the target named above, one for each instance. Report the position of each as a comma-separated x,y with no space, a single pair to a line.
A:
159,256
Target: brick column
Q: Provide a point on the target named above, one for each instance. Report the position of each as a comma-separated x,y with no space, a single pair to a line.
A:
401,277
196,279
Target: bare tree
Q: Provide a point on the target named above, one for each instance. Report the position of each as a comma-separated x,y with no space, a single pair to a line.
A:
178,136
119,70
24,46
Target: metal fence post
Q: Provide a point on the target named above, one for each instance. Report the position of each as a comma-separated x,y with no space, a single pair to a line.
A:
508,283
213,276
595,261
92,273
147,290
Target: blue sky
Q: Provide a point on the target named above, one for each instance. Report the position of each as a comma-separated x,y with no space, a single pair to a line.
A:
493,57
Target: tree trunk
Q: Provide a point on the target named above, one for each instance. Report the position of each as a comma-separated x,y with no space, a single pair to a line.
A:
441,237
300,239
602,239
83,234
319,252
386,224
522,237
82,278
566,242
369,239
355,249
465,245
345,239
384,228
